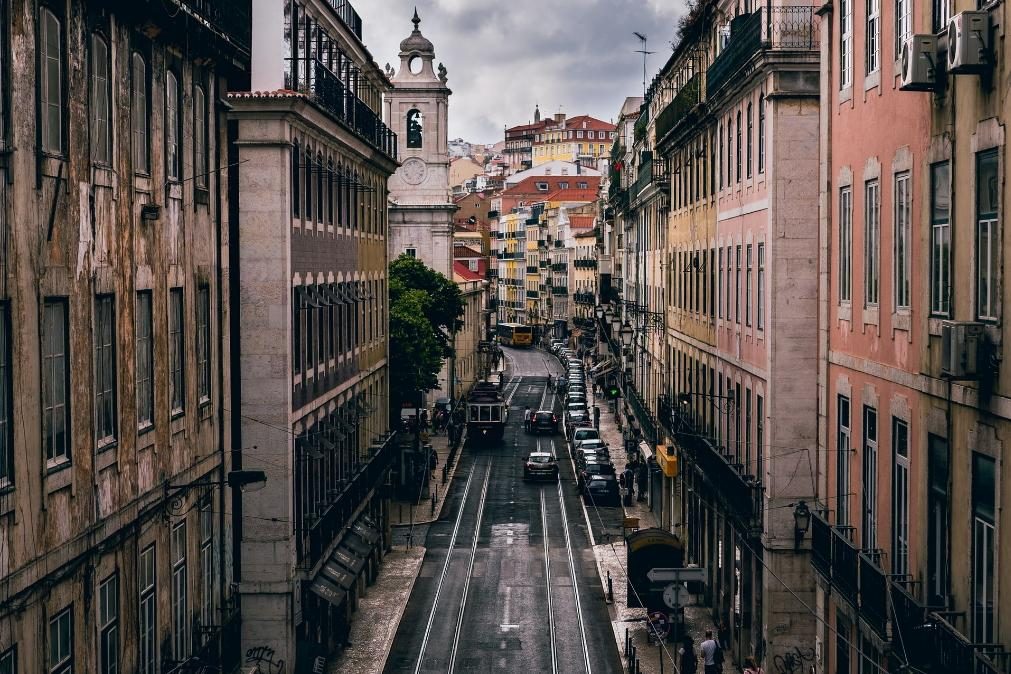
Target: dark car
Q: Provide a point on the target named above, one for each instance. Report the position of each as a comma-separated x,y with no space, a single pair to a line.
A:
584,456
602,490
577,420
591,469
575,397
545,421
540,465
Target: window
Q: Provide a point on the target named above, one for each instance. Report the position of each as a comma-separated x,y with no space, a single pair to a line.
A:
730,152
873,36
984,587
872,242
730,283
719,291
415,129
180,601
200,137
845,43
330,189
842,473
147,637
320,188
204,344
869,526
145,360
9,661
988,255
845,244
751,124
900,497
940,240
761,133
563,186
737,287
747,431
761,286
307,180
105,370
55,383
176,355
938,520
941,14
296,190
61,642
747,289
903,21
101,106
138,113
108,625
721,155
842,643
900,264
207,571
51,81
739,143
173,128
6,404
411,252
760,438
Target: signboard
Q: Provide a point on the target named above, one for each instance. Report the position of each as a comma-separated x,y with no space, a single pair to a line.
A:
677,575
659,623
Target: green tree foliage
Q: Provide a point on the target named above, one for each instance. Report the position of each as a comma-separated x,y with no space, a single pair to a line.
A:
425,308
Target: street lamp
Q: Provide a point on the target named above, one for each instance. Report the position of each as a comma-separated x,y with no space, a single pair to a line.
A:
246,480
626,334
598,311
615,323
801,523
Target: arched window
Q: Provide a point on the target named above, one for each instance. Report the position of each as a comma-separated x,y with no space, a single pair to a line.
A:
51,85
329,191
173,127
739,153
296,189
415,129
101,107
751,124
339,189
138,113
307,176
761,133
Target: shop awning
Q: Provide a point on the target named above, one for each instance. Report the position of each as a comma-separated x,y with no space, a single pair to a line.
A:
328,591
366,532
666,458
336,574
602,368
349,559
645,450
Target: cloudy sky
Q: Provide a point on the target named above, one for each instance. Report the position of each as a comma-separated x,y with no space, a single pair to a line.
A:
503,56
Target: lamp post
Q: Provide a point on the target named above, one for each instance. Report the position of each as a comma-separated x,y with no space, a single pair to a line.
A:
801,523
246,480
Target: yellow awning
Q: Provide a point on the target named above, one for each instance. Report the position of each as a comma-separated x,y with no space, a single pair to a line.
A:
666,458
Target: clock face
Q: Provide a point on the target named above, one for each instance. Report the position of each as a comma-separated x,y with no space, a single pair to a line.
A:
414,171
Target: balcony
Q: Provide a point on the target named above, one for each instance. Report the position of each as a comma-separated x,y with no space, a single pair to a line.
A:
821,546
845,565
873,592
532,295
560,267
328,92
532,269
785,29
647,422
677,111
348,15
585,263
585,298
559,290
230,18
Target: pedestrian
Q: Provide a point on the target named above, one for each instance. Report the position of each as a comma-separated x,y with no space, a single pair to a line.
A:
424,420
642,479
709,648
433,461
527,414
686,655
751,667
629,478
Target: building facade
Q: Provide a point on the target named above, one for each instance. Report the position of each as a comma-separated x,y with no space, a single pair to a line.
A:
114,362
309,247
908,543
581,139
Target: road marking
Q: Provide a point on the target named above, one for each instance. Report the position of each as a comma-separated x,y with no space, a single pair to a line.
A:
445,570
547,580
572,573
470,570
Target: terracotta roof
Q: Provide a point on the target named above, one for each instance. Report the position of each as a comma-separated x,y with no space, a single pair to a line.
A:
591,123
581,221
465,252
528,186
463,271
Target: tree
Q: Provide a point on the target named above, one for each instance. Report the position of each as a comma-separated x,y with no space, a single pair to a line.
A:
425,308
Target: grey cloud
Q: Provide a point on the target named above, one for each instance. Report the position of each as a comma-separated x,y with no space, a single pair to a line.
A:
504,56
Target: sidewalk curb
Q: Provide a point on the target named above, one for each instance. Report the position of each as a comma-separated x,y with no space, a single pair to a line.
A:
449,483
401,609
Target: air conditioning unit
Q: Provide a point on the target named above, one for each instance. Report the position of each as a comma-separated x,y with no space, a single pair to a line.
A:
961,345
919,56
968,42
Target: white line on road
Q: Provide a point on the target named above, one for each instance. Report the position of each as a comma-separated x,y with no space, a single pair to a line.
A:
575,580
547,579
445,570
470,569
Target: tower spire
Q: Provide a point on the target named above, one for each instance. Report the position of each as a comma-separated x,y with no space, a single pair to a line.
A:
416,20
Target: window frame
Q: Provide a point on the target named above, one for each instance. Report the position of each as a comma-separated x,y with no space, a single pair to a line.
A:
180,591
177,353
45,104
208,576
65,662
105,372
9,658
7,474
846,44
201,137
144,354
295,183
57,460
844,447
903,24
941,299
740,136
760,300
147,610
983,537
761,133
203,326
987,301
737,284
900,497
172,126
749,258
872,243
872,36
108,625
140,113
101,153
751,135
869,500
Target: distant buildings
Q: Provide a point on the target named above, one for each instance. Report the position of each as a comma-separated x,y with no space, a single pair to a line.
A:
581,139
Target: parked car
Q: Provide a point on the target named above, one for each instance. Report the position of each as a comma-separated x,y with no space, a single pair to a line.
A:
584,434
544,421
540,465
575,407
591,469
576,420
584,456
602,490
575,397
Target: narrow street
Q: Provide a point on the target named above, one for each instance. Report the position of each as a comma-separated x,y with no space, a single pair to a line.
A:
509,583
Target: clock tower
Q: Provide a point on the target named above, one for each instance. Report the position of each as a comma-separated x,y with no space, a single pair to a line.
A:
421,204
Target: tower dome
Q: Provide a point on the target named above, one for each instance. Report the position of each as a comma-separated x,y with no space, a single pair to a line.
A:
416,44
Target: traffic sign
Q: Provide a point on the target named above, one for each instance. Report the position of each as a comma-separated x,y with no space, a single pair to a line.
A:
677,575
675,596
659,623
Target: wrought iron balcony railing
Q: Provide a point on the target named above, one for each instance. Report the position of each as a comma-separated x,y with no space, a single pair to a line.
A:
873,592
532,295
776,28
584,298
559,290
585,263
348,15
559,267
532,269
230,18
677,110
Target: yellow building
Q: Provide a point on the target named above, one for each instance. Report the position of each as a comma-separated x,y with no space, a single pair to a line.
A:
580,139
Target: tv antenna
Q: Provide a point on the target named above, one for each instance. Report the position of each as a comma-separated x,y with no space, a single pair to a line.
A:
645,54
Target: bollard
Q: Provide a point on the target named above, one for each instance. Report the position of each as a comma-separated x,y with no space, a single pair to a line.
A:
433,504
661,656
626,642
610,595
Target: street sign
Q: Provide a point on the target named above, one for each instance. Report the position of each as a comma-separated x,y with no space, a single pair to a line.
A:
675,596
659,623
677,575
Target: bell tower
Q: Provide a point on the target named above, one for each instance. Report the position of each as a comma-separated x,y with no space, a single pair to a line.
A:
421,204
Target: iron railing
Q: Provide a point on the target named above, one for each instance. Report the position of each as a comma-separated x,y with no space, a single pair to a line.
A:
647,422
821,545
845,565
532,294
347,14
873,592
531,269
775,28
585,263
230,18
584,298
687,98
559,290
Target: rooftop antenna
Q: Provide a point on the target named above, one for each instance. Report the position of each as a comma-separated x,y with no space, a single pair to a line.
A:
645,55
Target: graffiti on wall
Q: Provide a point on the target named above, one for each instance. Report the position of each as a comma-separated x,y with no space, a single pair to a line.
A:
792,662
263,658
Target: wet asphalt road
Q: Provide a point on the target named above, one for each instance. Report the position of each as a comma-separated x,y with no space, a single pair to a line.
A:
504,600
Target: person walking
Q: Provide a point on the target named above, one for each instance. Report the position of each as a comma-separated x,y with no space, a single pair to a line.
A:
751,666
709,649
686,655
629,478
642,479
526,419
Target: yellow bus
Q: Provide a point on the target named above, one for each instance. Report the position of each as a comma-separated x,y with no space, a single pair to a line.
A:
515,334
